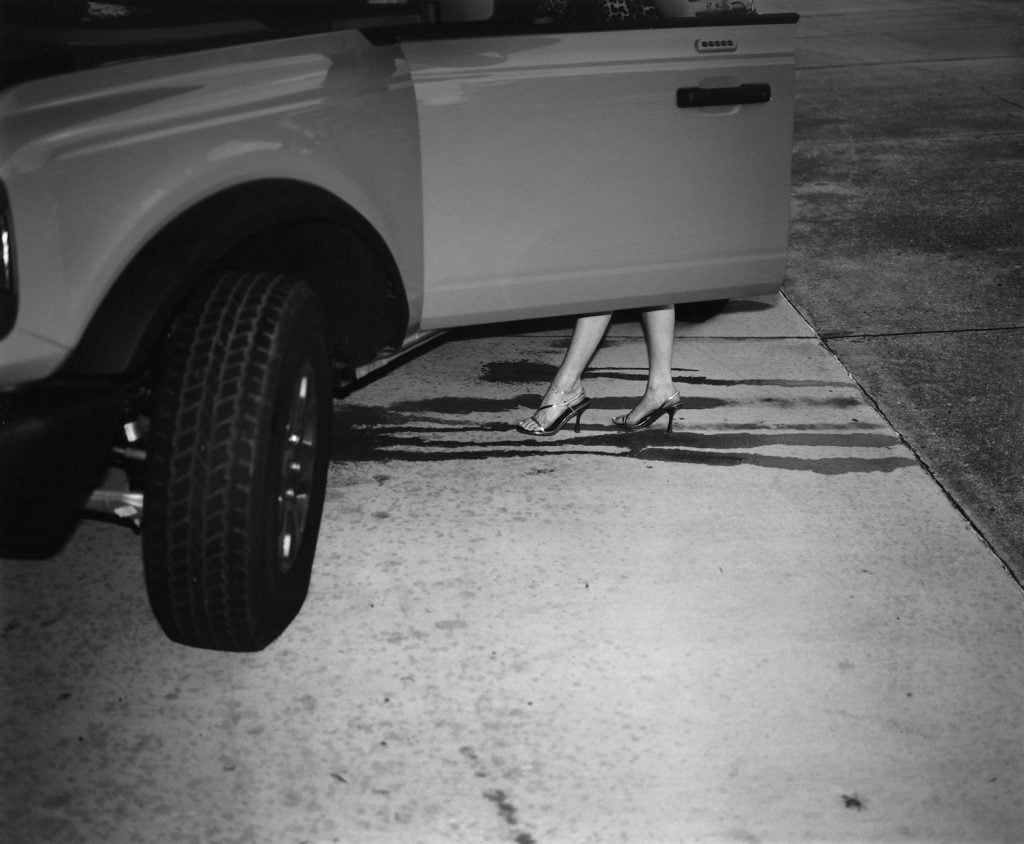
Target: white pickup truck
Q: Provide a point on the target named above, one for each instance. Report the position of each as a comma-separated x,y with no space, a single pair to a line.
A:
212,213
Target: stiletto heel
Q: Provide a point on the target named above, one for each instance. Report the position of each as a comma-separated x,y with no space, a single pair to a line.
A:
574,408
669,406
672,415
579,418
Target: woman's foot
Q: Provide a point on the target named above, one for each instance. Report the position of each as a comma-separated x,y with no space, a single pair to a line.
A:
653,405
556,409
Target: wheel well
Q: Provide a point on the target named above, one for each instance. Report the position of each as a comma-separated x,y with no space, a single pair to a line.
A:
274,225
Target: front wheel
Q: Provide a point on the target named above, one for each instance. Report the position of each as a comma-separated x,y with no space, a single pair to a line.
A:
238,456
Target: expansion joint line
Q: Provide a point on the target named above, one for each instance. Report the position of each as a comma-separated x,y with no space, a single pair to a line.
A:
882,334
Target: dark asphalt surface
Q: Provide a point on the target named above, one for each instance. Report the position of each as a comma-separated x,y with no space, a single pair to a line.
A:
907,244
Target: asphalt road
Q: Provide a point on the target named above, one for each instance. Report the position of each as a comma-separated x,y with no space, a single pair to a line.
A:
907,245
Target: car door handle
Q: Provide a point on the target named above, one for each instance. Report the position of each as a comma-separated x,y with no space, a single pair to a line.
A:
740,95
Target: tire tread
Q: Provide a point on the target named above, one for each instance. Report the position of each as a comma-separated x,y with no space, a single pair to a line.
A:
210,433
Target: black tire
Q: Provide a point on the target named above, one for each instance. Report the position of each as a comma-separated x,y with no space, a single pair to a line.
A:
237,469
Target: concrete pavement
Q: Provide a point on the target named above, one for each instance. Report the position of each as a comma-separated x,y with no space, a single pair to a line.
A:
772,625
907,246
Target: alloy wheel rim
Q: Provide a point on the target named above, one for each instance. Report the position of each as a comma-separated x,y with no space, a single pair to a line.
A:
297,468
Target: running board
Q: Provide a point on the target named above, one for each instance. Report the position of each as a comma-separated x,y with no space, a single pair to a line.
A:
414,342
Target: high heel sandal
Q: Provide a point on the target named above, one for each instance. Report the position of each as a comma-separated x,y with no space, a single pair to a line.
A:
574,408
669,406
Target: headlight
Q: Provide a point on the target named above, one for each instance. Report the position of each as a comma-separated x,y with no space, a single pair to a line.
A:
8,280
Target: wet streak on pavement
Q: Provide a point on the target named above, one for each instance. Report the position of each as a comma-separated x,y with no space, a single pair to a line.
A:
433,430
513,372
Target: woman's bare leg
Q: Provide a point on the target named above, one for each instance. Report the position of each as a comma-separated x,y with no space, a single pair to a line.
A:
659,334
568,380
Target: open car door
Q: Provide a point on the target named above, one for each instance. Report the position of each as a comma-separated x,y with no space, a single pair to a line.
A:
574,169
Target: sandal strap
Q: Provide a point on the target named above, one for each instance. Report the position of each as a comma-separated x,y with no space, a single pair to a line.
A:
661,407
575,398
